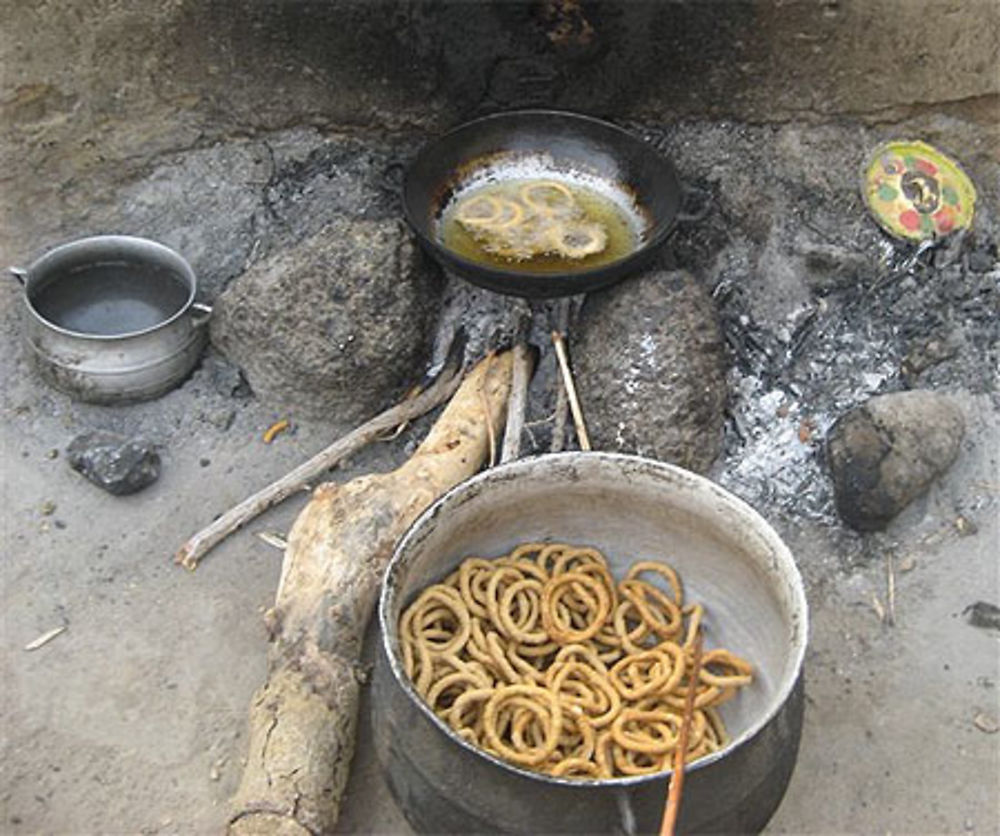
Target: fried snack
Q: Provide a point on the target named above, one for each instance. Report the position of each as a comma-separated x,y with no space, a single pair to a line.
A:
535,218
578,239
541,659
549,198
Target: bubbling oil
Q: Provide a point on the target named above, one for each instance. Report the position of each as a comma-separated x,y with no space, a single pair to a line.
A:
589,217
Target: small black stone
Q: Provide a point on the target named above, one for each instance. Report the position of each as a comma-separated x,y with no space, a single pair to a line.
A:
118,464
982,614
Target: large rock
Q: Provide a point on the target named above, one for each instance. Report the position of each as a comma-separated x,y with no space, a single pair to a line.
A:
334,326
886,452
650,367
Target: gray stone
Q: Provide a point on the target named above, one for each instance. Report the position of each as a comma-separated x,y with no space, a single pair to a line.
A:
116,463
650,368
336,326
886,452
225,377
983,257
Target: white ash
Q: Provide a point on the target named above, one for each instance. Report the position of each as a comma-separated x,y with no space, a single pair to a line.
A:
792,379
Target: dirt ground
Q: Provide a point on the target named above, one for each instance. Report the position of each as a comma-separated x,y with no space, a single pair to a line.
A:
132,720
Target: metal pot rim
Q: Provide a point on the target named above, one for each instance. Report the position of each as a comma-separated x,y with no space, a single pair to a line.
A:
388,592
133,244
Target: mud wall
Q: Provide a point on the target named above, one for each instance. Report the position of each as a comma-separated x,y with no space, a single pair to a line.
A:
102,85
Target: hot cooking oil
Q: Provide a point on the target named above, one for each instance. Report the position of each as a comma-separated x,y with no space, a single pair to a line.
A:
609,226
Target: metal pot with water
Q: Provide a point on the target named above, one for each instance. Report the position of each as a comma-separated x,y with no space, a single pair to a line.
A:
113,318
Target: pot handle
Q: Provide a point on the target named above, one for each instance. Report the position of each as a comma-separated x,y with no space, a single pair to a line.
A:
200,314
20,274
702,206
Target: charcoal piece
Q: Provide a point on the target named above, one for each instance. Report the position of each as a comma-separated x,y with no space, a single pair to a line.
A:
650,367
887,452
116,463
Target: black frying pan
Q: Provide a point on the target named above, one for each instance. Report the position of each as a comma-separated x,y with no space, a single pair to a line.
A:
567,143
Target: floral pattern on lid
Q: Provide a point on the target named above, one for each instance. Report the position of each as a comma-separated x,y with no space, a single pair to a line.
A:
915,192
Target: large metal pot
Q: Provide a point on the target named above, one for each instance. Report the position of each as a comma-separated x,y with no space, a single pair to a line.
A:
113,318
631,508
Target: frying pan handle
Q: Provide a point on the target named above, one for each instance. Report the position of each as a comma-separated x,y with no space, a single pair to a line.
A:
702,204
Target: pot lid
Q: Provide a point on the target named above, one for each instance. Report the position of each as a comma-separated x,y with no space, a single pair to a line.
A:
915,192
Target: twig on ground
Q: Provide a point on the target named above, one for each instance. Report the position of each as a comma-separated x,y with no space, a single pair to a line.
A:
45,638
890,582
201,543
879,609
272,539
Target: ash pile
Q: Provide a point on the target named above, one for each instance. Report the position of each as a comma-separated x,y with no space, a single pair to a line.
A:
820,309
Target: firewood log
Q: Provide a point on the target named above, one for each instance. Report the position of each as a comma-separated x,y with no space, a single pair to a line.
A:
303,719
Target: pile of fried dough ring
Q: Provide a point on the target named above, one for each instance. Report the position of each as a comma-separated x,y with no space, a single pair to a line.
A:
540,658
534,218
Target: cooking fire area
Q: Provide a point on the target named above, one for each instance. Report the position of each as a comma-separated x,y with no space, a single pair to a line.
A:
571,315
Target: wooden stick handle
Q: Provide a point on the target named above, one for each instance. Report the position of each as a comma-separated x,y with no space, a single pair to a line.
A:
574,402
673,804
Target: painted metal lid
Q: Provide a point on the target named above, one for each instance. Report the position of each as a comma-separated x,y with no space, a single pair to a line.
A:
915,192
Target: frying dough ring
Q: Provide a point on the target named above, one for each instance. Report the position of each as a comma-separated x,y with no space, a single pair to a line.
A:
597,239
544,207
613,704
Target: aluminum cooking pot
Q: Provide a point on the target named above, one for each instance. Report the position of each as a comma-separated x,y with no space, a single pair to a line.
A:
549,144
631,508
113,318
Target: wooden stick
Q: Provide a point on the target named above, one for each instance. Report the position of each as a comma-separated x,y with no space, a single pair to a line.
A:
205,540
562,402
673,804
574,402
518,404
304,717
